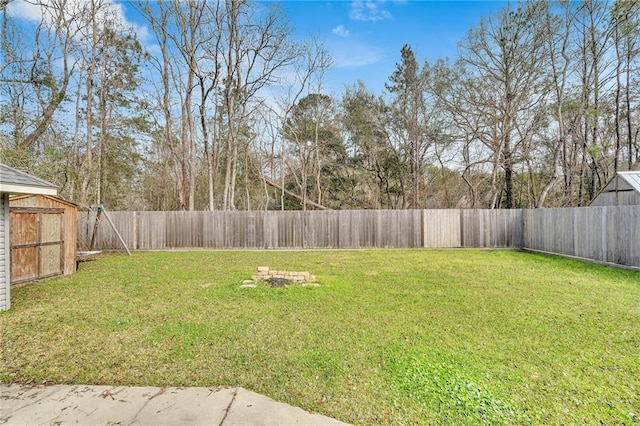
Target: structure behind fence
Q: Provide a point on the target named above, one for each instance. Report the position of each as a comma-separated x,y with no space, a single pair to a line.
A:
609,234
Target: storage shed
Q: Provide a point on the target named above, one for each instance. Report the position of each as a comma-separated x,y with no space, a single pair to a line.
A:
13,181
622,190
43,237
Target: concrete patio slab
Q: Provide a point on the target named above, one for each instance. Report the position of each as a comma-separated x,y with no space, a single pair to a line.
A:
119,405
250,408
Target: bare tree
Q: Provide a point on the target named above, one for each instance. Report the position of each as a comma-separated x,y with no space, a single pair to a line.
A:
558,37
593,37
625,17
41,74
503,58
257,47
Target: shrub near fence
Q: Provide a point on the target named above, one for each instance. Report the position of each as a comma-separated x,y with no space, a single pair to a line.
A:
608,234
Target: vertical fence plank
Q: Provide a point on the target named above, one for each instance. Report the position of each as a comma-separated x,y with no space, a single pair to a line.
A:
441,228
151,229
270,226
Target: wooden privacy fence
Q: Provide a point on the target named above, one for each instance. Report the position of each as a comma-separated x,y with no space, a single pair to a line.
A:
306,229
610,234
604,234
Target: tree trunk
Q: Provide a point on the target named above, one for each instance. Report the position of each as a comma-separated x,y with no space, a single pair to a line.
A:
508,176
88,161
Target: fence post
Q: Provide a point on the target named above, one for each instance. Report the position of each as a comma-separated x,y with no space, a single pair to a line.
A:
462,243
525,219
424,228
135,230
603,234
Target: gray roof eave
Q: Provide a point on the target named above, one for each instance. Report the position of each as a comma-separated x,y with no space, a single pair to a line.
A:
16,182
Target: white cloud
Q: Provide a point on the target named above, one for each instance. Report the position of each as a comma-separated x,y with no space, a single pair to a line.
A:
24,10
355,55
368,10
76,11
341,31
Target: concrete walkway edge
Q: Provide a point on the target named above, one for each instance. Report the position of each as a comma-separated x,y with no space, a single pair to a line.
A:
113,405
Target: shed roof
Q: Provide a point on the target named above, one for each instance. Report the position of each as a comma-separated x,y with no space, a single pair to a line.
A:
17,182
624,187
632,178
623,181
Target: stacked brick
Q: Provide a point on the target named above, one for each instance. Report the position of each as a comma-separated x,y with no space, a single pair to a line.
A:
264,274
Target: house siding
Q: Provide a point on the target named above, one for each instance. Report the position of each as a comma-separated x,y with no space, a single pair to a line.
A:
5,301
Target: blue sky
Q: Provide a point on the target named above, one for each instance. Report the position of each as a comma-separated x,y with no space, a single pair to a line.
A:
365,37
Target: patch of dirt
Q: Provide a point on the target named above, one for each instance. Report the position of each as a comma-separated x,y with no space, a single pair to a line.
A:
278,282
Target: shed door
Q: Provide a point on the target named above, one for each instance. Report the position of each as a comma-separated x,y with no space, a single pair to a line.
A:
37,241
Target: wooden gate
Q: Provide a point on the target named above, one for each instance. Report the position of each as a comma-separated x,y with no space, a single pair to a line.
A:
37,243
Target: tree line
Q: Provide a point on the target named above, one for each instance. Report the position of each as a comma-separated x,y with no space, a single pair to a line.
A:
224,109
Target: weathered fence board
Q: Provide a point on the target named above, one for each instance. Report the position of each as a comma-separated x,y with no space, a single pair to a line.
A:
608,234
605,234
151,230
491,228
623,223
442,228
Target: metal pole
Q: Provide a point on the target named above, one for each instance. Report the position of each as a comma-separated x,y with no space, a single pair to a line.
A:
114,228
95,227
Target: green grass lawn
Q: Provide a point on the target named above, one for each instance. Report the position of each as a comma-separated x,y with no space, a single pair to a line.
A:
391,336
